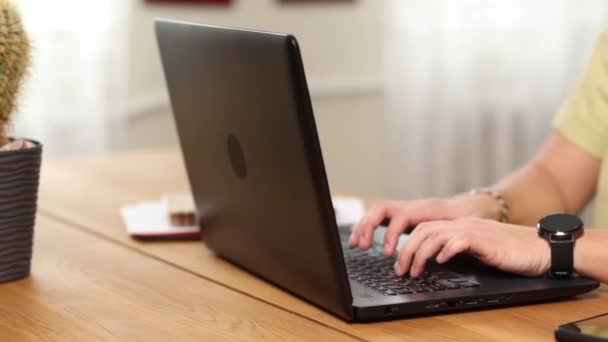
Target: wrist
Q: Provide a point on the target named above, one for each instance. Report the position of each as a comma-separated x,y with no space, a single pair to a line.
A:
544,259
489,208
489,204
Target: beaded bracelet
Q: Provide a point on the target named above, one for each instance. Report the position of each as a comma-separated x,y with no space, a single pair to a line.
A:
504,207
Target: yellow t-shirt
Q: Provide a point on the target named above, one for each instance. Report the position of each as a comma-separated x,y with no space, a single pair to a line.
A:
583,120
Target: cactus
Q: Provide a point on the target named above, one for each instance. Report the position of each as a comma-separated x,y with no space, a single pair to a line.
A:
14,60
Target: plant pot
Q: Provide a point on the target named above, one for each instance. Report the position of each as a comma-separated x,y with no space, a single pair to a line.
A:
19,178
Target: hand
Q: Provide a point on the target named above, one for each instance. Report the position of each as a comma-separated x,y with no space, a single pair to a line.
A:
508,247
406,214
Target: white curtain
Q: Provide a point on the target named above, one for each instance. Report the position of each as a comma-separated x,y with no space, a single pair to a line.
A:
77,82
473,85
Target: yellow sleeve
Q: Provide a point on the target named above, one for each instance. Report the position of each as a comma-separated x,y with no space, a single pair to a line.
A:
583,117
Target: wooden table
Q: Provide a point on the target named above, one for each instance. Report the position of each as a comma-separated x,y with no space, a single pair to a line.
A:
91,281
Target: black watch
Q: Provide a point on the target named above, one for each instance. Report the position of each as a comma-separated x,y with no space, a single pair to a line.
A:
561,231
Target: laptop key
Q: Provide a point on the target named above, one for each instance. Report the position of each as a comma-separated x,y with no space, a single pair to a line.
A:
436,287
420,289
458,280
404,291
468,284
447,284
445,275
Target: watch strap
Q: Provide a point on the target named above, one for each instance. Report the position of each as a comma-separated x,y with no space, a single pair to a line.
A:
562,257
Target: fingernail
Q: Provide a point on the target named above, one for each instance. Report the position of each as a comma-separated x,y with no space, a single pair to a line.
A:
397,267
351,241
439,258
387,250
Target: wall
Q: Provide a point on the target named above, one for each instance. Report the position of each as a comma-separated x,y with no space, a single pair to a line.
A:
342,47
77,78
473,85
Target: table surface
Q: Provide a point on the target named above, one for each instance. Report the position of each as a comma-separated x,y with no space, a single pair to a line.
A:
90,280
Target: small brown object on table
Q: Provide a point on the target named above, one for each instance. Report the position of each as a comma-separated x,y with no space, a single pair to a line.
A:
111,182
181,209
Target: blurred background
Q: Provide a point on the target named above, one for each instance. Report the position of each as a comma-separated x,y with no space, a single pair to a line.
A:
412,98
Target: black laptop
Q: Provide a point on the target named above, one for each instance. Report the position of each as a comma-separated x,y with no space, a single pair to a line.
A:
249,140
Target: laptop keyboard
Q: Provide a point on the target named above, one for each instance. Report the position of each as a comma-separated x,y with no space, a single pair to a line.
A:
374,270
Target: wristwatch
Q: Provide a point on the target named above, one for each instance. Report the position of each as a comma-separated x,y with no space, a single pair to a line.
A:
561,232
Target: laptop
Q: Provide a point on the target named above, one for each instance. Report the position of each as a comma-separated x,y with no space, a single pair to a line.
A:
248,136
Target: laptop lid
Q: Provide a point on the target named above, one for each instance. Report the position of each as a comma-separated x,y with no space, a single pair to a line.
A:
252,154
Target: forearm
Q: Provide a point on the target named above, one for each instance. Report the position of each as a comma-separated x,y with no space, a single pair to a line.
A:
561,178
591,256
531,193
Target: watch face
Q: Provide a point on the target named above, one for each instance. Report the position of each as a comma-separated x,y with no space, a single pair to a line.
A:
564,223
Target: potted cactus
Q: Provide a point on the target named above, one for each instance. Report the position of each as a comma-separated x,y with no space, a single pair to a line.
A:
19,158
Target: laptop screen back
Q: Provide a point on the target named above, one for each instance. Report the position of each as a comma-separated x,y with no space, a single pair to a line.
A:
250,145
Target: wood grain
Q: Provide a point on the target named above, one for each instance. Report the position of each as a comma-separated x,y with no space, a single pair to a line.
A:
84,288
89,192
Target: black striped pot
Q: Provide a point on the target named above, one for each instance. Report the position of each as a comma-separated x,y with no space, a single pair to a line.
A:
19,177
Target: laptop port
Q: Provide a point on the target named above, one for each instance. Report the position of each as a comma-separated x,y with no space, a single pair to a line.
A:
493,300
391,309
470,302
452,303
432,305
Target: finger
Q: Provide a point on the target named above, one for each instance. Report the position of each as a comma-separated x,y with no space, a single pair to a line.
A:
411,246
369,224
354,235
429,247
453,247
391,237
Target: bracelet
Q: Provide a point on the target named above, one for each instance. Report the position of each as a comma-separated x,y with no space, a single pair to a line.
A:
504,208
